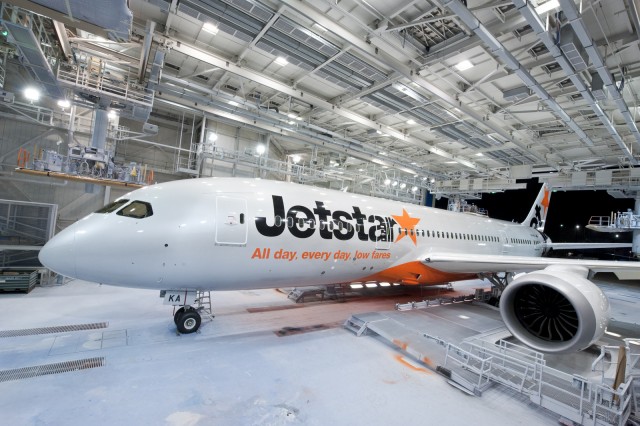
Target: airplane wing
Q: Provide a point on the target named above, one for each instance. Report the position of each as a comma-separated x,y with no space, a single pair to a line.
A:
477,263
583,246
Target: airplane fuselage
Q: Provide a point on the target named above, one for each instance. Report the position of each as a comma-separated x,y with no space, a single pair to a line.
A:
229,233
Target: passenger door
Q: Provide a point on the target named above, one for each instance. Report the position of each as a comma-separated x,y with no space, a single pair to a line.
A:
231,221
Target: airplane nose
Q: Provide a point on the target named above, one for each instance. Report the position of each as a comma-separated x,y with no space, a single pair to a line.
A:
58,254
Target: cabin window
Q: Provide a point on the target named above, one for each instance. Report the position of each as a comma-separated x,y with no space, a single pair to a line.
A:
137,210
278,221
290,221
111,207
300,223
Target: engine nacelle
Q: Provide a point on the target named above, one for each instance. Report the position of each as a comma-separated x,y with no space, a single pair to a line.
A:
556,310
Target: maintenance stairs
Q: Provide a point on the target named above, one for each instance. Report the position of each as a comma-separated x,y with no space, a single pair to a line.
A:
478,363
203,304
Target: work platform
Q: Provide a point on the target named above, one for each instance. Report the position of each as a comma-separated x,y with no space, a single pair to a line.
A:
470,346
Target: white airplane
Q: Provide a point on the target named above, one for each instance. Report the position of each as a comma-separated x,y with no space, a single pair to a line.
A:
231,233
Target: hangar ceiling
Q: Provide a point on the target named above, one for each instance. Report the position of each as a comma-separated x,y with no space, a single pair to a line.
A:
465,95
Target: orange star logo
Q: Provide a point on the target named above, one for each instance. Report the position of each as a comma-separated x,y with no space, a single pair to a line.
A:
409,223
545,199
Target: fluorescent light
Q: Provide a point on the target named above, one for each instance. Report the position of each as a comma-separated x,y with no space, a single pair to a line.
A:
385,284
210,28
463,316
292,115
382,153
450,162
319,27
233,103
379,132
64,103
371,285
356,286
551,4
464,65
260,149
32,94
411,122
281,60
479,154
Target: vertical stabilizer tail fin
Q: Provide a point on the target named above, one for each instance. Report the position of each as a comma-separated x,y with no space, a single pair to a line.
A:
538,214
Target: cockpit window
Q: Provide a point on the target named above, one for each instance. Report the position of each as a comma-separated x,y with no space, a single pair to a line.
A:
137,209
113,206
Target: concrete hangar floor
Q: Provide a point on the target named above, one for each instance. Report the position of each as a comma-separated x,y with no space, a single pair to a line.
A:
239,369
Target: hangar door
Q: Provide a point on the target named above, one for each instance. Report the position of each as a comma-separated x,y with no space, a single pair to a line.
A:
231,221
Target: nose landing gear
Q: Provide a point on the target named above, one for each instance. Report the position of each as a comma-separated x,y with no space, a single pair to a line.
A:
187,320
192,305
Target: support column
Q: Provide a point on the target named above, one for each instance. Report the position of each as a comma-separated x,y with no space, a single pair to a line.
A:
98,137
636,233
100,126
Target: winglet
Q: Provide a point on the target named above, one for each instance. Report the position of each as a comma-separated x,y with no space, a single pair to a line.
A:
538,214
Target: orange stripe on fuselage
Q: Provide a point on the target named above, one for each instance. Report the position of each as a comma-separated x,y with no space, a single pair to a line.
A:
416,273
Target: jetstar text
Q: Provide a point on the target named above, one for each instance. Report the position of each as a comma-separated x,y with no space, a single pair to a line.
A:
303,222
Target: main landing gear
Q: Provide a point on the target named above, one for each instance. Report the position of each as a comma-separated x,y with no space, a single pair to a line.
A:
191,306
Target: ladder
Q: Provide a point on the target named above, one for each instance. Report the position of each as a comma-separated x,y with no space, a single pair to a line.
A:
203,304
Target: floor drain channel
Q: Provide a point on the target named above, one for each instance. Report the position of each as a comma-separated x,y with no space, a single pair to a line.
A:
46,369
50,330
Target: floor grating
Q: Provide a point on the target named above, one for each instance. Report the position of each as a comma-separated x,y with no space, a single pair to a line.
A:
50,330
46,369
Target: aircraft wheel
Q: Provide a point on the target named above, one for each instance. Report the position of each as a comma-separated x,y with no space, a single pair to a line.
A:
177,315
189,322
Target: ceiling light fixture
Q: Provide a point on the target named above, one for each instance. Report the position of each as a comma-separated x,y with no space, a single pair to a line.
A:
545,7
260,149
212,137
210,28
295,159
411,122
281,60
64,103
387,182
464,65
32,94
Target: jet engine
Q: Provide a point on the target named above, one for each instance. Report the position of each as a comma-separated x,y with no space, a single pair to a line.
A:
555,310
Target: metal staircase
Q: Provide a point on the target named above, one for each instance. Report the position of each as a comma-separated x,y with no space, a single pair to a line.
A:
203,304
476,364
